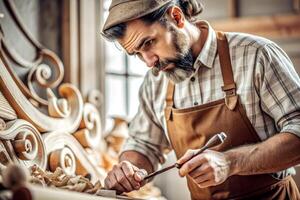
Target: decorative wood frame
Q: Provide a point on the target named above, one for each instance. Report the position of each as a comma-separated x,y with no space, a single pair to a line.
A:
50,132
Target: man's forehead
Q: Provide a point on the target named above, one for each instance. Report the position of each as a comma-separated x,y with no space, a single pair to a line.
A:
135,31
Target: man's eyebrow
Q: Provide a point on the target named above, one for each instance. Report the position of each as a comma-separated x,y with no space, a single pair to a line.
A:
141,43
139,46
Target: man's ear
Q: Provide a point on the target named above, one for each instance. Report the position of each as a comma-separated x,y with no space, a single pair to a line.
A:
177,15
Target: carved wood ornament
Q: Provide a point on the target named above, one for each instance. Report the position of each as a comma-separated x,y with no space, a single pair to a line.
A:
51,130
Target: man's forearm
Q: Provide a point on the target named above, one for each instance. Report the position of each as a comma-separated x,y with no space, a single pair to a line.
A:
277,153
137,159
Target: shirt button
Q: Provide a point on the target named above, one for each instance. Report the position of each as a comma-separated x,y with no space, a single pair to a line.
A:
195,103
193,79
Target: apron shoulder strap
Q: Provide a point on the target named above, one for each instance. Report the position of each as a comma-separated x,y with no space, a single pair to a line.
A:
229,87
170,94
169,100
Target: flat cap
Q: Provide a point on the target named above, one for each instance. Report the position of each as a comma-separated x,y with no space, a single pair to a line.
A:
121,11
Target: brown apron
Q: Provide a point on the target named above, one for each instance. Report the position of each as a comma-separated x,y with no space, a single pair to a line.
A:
190,128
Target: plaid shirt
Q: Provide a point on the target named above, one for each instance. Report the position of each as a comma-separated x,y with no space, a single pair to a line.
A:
267,84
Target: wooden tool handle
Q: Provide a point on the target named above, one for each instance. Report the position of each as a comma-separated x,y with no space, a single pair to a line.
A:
214,141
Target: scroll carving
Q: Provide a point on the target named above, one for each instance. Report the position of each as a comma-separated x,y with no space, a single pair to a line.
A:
27,111
95,97
44,72
90,133
24,143
42,121
63,158
64,146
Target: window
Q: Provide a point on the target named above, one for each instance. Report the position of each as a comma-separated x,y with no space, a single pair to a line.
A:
123,76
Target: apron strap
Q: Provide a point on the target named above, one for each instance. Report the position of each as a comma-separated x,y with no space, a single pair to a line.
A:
169,100
229,85
170,94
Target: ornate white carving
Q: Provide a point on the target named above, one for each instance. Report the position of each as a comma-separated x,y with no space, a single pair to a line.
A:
24,143
90,133
41,121
63,158
95,97
58,141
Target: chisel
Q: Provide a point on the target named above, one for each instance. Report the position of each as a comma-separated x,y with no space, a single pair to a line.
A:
213,141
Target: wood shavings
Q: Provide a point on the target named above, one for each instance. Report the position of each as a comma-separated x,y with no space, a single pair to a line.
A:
59,179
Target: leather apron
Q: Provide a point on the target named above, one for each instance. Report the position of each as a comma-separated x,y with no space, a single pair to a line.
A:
191,128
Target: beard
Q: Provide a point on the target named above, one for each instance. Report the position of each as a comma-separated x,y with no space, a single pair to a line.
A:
183,68
183,61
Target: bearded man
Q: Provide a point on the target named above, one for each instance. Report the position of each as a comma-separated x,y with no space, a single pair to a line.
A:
201,83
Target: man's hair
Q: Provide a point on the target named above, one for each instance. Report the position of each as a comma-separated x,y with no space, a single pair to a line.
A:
189,8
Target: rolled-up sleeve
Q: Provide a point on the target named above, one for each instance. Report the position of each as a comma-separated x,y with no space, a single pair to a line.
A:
146,134
280,89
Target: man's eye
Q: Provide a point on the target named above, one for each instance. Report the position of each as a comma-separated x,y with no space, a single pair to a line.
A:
148,43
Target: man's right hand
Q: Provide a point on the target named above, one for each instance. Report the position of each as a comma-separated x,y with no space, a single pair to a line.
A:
125,177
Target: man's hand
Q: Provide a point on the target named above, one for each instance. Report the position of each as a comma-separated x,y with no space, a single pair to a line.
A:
207,169
125,177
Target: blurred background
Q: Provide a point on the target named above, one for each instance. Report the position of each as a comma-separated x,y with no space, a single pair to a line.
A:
71,28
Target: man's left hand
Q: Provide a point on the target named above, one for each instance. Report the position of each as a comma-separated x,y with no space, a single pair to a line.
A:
207,169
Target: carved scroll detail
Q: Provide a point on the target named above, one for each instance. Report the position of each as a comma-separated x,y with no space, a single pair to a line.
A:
95,97
58,141
63,158
45,70
24,143
90,133
27,111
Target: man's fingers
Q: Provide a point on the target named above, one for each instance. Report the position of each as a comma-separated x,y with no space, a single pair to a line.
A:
203,178
129,172
192,164
188,155
110,182
203,169
140,175
122,179
125,177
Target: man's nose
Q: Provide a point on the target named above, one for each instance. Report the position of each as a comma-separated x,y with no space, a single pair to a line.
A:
150,59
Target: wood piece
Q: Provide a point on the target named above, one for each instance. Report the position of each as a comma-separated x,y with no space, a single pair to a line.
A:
277,26
233,8
62,180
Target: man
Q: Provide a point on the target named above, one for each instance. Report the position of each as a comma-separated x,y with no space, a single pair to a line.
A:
204,82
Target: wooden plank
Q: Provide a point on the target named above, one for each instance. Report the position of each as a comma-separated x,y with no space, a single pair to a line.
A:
233,8
87,46
70,42
283,26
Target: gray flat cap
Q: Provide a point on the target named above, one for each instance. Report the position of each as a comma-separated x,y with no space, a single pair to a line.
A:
121,11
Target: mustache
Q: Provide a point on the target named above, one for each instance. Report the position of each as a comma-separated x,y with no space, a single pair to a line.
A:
182,61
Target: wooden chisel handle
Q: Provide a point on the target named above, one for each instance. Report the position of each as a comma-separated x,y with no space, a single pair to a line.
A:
213,141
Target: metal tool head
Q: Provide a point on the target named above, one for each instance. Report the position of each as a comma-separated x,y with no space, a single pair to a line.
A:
222,136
